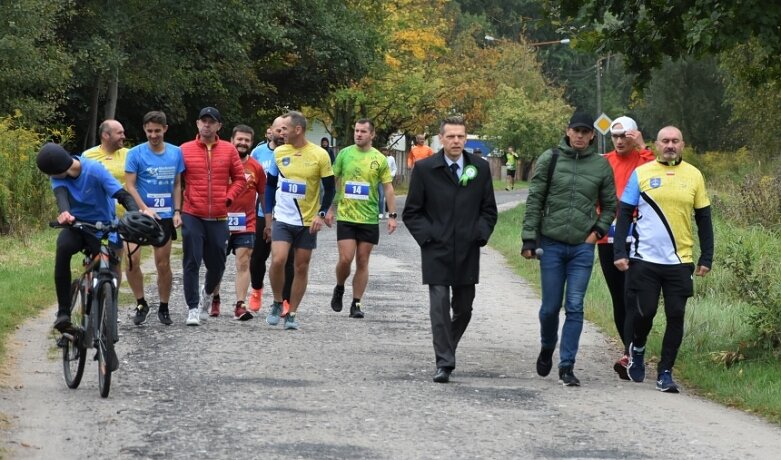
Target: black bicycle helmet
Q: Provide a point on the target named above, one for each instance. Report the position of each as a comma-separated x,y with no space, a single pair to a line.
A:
139,228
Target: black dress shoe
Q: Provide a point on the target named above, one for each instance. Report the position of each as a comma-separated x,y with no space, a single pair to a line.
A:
442,375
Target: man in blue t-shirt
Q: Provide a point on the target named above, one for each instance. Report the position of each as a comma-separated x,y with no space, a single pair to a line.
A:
153,172
85,191
264,154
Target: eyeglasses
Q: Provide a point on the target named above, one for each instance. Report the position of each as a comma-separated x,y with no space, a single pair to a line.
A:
619,136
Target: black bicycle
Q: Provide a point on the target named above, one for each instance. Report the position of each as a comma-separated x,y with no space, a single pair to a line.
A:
93,312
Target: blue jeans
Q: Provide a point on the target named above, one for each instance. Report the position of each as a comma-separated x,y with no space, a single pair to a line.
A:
563,266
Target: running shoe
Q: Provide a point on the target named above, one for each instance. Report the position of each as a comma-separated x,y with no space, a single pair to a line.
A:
291,322
204,304
142,310
636,368
164,317
336,299
355,310
273,316
255,299
240,313
193,317
665,383
567,377
620,367
215,310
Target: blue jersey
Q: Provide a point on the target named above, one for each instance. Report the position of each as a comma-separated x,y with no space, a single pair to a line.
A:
155,175
90,194
264,155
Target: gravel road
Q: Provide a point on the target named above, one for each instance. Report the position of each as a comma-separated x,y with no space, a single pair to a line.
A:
347,388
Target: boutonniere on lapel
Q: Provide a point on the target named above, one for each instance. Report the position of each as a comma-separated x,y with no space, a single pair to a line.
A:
470,172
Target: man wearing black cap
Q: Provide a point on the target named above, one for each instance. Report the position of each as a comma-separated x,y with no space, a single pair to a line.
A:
85,191
561,226
214,178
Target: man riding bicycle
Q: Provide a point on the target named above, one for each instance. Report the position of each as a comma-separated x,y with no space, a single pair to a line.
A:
85,191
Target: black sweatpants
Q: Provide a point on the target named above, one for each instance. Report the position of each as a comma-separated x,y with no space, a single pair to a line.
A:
647,280
616,284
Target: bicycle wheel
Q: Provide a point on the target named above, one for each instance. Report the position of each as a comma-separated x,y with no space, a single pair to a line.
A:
106,333
74,353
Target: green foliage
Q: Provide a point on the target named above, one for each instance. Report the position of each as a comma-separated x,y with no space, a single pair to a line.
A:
754,99
34,66
25,195
646,31
532,125
688,93
755,278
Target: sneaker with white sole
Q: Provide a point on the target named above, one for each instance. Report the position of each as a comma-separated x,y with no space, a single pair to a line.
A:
204,305
273,316
636,368
665,383
193,317
291,322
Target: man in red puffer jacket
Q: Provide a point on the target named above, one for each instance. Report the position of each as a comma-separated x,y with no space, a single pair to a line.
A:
213,177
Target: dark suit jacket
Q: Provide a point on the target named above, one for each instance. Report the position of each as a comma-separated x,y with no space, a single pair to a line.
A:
449,221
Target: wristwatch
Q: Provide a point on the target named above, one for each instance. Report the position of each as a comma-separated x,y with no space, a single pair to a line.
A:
321,214
392,215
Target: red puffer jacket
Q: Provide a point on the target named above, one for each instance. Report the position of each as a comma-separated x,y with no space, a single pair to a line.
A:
211,178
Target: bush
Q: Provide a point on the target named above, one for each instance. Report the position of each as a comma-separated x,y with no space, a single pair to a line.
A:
26,199
750,259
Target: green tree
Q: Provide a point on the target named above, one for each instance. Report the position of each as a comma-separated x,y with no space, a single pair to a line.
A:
646,31
34,66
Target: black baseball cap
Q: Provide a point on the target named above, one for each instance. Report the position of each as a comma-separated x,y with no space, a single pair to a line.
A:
581,120
210,112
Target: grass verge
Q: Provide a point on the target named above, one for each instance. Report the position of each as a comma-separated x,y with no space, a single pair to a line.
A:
715,328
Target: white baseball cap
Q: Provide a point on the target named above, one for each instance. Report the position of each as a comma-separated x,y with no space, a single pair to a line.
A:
627,124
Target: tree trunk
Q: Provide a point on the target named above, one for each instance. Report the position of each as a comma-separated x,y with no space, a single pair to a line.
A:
89,139
110,110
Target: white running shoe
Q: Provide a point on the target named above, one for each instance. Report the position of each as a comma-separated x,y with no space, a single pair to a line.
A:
204,304
193,317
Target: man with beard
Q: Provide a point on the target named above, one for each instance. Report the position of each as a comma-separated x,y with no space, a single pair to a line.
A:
665,194
242,219
264,154
153,177
214,179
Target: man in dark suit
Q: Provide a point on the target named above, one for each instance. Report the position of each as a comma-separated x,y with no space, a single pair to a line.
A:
451,213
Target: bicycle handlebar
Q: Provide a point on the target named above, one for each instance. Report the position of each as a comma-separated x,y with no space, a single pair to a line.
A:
97,226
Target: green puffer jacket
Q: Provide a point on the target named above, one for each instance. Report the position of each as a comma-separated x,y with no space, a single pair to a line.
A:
582,180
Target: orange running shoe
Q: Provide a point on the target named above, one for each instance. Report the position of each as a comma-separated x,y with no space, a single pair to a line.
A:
255,299
285,308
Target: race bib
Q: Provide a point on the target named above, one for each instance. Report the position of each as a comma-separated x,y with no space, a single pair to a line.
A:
356,190
159,202
293,189
237,221
612,232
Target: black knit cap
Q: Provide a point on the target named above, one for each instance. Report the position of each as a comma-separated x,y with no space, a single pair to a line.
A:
53,159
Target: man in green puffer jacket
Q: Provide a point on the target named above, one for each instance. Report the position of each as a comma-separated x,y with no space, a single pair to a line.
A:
565,216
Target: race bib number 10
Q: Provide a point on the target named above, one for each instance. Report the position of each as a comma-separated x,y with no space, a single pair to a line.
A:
293,189
356,190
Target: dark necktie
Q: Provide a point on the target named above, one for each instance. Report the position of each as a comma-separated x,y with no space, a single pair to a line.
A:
454,170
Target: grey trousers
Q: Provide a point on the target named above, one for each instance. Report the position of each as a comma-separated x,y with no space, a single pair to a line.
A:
447,331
